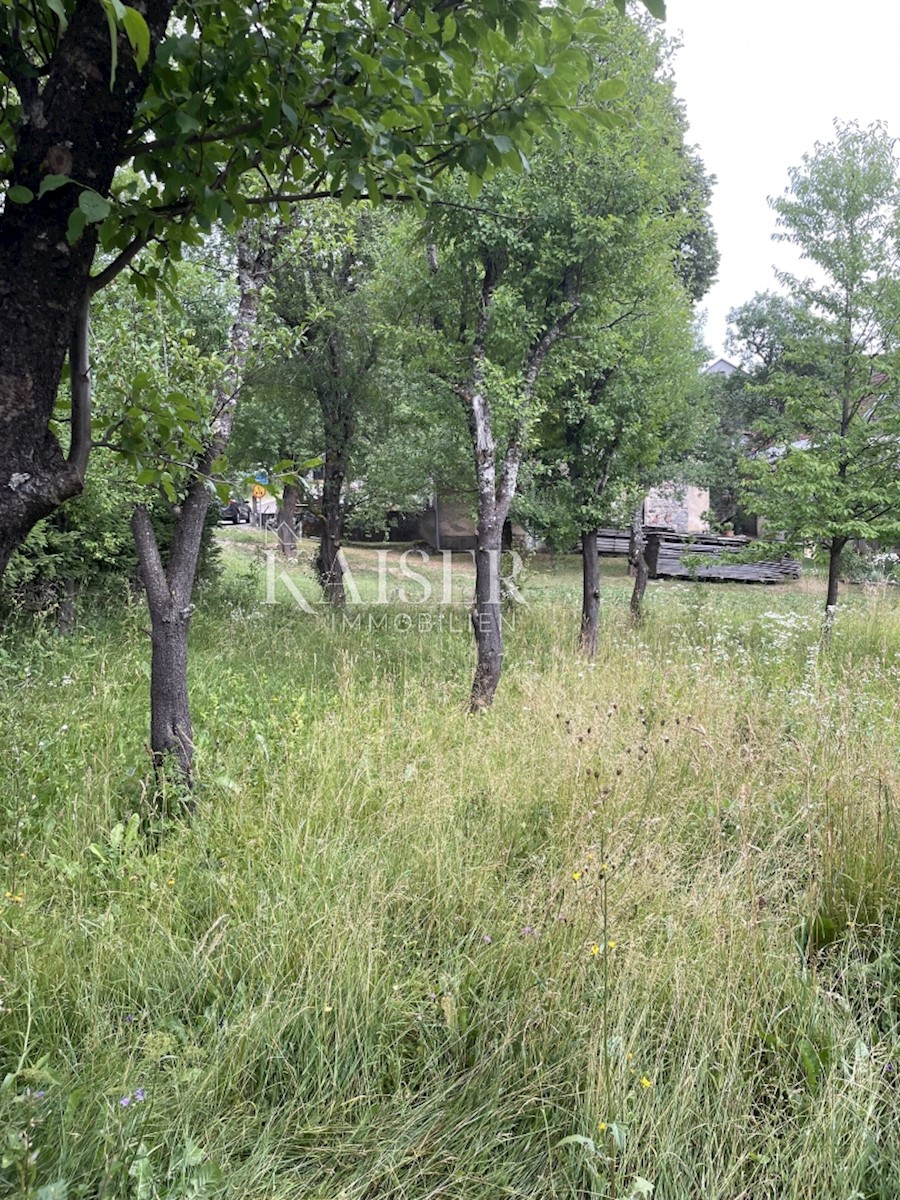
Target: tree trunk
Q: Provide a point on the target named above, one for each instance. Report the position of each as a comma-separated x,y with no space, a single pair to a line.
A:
590,592
486,616
336,407
834,572
287,537
65,621
72,123
637,544
169,590
171,733
328,560
170,587
495,495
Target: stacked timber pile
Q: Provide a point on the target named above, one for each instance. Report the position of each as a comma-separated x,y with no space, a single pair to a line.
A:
666,554
667,551
615,541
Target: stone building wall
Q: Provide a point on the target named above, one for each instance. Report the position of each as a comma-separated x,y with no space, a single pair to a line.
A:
680,509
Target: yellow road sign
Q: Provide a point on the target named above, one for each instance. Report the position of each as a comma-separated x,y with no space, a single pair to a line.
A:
258,491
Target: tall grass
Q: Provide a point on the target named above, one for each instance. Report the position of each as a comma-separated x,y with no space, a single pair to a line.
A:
404,953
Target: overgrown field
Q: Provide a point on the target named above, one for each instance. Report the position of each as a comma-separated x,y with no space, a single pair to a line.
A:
639,925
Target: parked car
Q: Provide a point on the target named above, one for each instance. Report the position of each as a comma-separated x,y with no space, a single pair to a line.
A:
235,511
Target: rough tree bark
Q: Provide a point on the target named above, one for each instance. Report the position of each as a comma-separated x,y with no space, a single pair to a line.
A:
73,124
495,495
170,586
287,537
339,424
590,592
637,544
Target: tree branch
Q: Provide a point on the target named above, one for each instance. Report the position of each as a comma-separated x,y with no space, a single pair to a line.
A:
119,263
153,573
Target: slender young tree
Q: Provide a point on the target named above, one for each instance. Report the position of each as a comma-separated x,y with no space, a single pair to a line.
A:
169,584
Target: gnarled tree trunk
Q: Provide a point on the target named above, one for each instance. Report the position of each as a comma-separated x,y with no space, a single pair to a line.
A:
590,592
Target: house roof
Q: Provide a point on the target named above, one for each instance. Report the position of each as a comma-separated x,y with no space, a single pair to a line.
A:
721,367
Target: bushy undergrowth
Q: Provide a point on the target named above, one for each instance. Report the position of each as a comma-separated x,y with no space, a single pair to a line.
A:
636,926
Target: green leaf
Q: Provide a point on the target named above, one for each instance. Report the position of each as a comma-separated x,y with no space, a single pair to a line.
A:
578,1139
449,29
656,8
20,194
611,89
94,207
75,228
56,6
113,41
138,35
50,183
58,1190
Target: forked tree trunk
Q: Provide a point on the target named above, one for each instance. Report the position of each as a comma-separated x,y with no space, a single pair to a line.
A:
495,494
287,537
637,544
590,592
170,587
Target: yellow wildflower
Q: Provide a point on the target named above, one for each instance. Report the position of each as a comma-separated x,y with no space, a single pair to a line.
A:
576,875
595,949
601,1126
645,1082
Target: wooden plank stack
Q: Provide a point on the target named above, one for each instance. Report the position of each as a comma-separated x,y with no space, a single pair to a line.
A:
667,551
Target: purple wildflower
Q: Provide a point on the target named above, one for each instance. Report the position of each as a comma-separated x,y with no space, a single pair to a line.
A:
139,1096
125,1101
487,939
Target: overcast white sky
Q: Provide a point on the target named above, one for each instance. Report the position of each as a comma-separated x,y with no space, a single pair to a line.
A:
762,82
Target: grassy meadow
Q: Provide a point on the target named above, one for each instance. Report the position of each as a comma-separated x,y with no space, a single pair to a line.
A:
636,928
